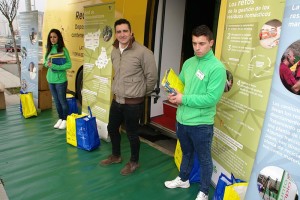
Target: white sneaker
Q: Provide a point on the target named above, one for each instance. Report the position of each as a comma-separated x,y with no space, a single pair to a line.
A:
202,196
63,124
58,123
177,182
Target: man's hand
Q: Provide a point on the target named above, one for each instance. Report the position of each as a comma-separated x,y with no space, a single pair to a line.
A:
175,98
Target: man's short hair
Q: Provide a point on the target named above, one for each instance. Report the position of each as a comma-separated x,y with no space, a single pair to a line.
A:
203,30
122,21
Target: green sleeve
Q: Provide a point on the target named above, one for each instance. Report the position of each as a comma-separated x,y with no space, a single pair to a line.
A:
45,61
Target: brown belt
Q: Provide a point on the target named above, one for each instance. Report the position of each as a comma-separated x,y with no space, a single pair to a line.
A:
136,100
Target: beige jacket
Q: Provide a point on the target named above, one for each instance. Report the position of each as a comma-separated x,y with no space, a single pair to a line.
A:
135,71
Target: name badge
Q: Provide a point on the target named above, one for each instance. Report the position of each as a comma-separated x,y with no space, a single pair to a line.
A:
200,74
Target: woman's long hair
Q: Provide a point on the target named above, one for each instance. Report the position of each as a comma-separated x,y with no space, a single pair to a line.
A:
60,41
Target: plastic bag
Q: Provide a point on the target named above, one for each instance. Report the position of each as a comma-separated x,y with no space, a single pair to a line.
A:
28,107
195,173
71,129
87,132
72,104
235,191
223,182
220,188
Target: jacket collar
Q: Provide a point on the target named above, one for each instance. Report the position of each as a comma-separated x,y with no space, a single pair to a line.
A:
207,56
131,41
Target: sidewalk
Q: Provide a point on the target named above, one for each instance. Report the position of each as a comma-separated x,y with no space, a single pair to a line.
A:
10,81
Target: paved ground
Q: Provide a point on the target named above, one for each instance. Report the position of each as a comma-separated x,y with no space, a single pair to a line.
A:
6,57
9,75
9,80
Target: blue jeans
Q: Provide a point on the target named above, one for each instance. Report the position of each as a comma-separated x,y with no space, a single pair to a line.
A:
59,91
196,139
129,115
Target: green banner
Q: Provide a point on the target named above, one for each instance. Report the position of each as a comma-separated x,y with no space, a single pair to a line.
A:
97,72
251,35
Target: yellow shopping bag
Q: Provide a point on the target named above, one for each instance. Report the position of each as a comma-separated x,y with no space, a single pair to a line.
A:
28,107
195,173
235,191
178,155
71,129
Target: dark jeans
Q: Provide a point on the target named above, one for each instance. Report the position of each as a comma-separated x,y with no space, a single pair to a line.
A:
59,91
130,116
196,139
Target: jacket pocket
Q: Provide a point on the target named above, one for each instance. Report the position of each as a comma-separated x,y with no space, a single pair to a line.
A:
134,87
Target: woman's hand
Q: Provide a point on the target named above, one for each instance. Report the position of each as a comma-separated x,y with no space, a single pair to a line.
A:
49,64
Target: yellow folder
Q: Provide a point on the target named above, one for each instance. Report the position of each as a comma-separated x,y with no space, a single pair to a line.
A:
171,82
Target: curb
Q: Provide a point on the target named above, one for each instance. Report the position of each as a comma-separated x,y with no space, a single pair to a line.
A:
8,62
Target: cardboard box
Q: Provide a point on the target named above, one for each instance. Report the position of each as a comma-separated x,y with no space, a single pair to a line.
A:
42,82
2,101
45,100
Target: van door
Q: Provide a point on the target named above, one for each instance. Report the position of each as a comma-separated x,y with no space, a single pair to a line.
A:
167,52
174,25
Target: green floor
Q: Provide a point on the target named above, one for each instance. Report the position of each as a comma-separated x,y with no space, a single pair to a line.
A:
37,164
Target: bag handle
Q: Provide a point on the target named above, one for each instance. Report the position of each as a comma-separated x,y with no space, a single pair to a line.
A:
226,179
236,180
90,112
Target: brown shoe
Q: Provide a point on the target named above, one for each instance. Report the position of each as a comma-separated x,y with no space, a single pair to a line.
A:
111,160
129,168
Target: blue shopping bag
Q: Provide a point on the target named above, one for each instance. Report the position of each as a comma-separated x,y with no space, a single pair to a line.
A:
87,133
21,92
72,104
222,183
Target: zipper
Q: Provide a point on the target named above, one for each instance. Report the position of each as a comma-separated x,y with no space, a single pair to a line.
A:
197,67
